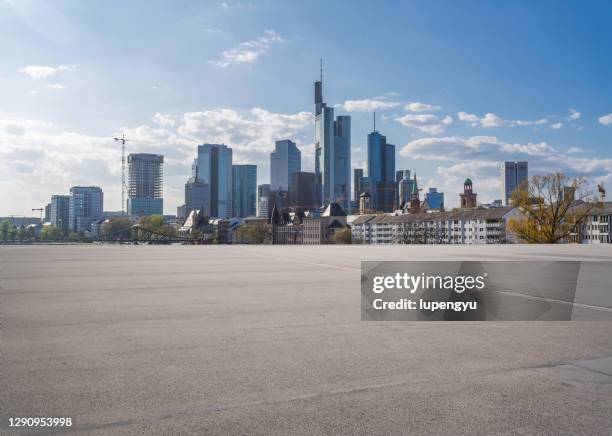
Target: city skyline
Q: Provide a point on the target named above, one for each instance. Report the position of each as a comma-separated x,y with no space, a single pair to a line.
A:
70,85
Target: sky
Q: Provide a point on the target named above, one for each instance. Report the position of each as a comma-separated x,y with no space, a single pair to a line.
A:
458,87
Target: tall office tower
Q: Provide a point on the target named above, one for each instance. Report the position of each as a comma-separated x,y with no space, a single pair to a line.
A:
435,199
381,169
244,194
197,197
263,199
59,213
513,174
404,187
214,167
47,217
357,176
303,191
285,160
145,184
86,206
400,174
332,153
468,198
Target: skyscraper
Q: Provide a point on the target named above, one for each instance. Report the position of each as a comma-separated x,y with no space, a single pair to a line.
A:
145,184
434,199
302,194
357,176
197,197
332,152
404,186
285,160
244,194
381,170
59,213
263,199
213,166
86,206
513,174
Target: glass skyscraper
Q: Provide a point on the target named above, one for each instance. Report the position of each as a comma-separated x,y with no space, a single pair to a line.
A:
285,160
59,213
513,174
145,184
381,172
245,190
86,206
332,153
213,166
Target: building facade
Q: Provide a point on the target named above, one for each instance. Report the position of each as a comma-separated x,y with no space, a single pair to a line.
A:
263,199
245,190
303,192
332,153
213,166
59,211
475,226
468,198
513,175
285,160
434,199
86,207
145,184
381,172
197,197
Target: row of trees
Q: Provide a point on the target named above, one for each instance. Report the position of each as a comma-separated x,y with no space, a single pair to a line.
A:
10,232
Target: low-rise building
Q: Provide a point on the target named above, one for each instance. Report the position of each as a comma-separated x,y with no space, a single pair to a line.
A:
475,226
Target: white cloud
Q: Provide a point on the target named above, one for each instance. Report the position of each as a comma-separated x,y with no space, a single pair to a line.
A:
479,158
368,104
164,120
56,86
468,118
427,123
492,120
556,126
606,119
44,71
574,114
249,51
38,159
420,107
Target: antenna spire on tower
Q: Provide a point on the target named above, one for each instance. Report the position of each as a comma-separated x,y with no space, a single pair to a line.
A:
321,70
374,121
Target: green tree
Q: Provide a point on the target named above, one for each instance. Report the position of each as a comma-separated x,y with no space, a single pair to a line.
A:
257,233
5,227
156,224
117,228
342,236
553,206
50,233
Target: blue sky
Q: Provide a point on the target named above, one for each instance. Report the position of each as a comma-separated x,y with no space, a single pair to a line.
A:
458,87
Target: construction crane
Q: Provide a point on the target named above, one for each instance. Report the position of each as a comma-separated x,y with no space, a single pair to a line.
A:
41,210
123,140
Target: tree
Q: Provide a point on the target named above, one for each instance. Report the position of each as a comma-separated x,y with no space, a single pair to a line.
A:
117,228
257,233
553,207
342,236
5,227
50,233
157,224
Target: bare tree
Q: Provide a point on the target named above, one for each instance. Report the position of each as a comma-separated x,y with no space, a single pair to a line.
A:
553,206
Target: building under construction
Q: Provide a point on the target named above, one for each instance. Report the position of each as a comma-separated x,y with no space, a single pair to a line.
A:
145,184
